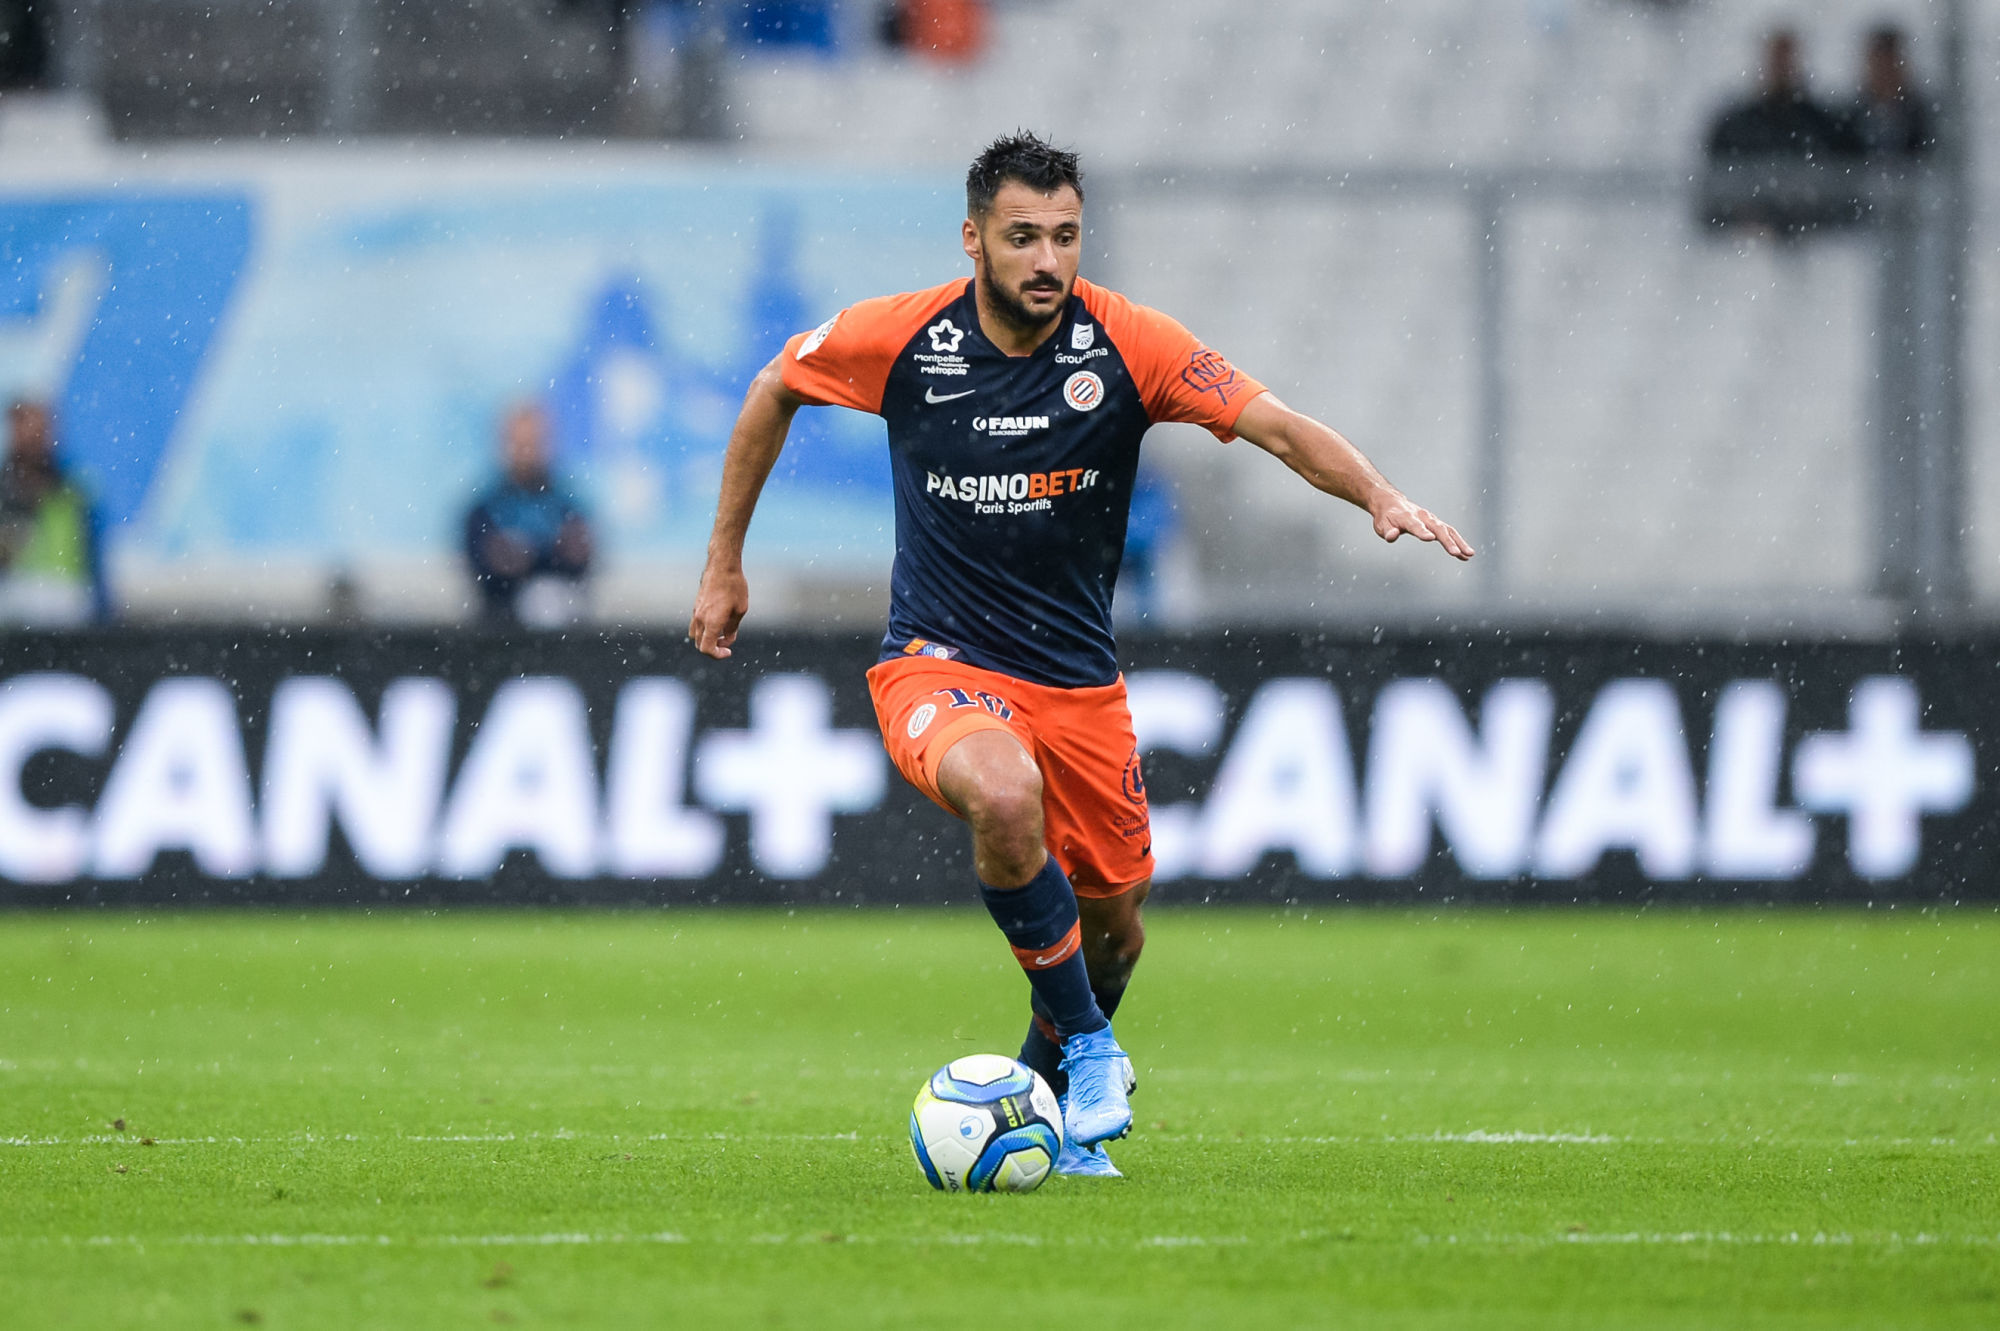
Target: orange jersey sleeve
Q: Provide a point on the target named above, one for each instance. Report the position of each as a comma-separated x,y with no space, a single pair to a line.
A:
845,361
1178,378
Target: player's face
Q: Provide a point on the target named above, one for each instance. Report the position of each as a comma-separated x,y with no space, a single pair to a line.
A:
1027,247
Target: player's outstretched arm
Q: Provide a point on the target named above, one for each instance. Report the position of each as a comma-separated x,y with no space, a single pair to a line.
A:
724,597
1321,455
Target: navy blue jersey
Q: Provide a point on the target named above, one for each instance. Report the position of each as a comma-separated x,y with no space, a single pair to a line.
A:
1013,474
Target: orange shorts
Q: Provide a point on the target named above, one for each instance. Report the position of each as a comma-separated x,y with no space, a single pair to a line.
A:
1093,797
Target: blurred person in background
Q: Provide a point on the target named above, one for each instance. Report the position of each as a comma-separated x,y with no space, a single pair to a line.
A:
526,539
1889,119
1154,522
24,45
1782,118
1762,151
50,573
952,32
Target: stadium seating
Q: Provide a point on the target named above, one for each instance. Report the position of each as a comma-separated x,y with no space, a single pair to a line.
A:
1720,389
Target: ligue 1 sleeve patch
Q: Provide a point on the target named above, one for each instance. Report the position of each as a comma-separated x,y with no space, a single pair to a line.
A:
1084,391
818,336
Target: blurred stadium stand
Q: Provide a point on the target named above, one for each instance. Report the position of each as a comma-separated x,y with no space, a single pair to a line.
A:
1686,423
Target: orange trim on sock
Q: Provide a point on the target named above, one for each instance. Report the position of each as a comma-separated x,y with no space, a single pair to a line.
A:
1041,958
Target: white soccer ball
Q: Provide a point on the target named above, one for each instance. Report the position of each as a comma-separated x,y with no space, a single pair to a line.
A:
985,1123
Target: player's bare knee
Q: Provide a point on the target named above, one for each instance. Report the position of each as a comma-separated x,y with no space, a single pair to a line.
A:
1005,811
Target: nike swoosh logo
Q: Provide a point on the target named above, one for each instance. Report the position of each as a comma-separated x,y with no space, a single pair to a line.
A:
1048,960
931,396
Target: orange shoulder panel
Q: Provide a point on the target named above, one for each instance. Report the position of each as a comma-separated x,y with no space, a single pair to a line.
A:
1178,378
845,362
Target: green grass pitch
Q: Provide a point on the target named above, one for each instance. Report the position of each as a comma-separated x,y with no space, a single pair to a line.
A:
1349,1117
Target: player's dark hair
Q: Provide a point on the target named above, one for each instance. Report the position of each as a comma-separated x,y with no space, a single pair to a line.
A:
1021,157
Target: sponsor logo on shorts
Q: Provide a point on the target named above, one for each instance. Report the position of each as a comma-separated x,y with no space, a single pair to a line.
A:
1134,781
920,720
1084,391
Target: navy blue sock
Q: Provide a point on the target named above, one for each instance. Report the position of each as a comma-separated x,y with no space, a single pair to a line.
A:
1039,919
1040,1049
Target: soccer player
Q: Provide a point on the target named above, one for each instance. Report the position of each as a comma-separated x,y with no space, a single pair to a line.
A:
1015,402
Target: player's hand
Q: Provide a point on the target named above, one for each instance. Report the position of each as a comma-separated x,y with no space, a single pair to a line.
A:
719,608
1396,515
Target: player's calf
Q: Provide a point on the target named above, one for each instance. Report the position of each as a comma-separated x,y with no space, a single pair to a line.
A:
1040,921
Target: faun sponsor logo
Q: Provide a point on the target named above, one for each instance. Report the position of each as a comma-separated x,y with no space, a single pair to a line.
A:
1018,492
1009,425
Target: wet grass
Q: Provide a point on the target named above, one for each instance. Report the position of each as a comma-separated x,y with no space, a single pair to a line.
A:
1532,1119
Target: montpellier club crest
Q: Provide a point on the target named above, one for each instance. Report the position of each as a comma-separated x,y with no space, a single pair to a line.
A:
1084,391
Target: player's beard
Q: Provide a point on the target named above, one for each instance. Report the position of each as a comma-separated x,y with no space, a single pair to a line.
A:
1011,307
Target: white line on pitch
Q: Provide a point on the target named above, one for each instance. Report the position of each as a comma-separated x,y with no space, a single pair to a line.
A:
1676,1239
1721,1238
1477,1137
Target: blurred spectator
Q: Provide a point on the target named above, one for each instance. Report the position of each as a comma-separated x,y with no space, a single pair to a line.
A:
526,539
1768,156
1782,119
1889,119
1148,532
952,32
49,568
24,44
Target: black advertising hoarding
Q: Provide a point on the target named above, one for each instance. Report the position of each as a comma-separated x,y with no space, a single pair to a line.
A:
427,768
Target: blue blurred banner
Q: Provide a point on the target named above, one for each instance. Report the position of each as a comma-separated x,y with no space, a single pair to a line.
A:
308,360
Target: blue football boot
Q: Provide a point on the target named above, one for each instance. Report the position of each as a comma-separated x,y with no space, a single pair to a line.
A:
1083,1161
1100,1080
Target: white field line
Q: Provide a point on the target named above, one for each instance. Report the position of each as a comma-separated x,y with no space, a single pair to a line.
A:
1662,1239
1507,1137
1717,1238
